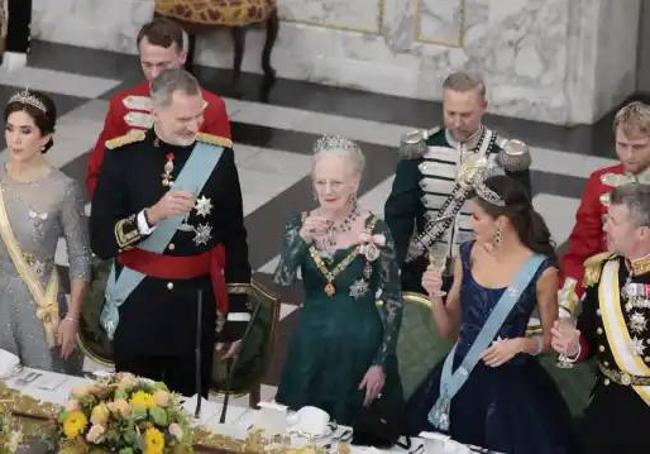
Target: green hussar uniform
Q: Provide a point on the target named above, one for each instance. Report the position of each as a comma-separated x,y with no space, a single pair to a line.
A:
425,180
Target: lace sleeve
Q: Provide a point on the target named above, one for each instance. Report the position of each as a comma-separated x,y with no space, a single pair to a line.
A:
293,251
75,230
391,295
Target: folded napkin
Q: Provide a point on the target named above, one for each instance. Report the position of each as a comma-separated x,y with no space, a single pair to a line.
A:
8,363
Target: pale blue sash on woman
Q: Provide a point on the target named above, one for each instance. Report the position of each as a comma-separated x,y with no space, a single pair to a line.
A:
192,177
450,383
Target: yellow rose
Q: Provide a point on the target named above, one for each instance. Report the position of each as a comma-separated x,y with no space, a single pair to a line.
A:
142,401
96,434
100,415
74,424
120,407
161,398
154,441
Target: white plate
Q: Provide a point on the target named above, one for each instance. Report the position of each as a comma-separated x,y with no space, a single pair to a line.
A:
328,433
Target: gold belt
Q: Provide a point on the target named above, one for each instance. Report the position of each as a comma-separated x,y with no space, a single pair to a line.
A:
623,378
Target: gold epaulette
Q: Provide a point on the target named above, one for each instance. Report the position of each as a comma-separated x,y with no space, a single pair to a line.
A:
593,267
214,140
130,137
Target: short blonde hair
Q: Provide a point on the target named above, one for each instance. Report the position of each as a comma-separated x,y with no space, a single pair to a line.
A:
634,119
461,81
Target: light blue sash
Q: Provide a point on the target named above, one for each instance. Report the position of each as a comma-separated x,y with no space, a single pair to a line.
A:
192,178
450,383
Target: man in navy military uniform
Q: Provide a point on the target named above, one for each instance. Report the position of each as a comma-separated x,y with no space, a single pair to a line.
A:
142,194
427,174
614,326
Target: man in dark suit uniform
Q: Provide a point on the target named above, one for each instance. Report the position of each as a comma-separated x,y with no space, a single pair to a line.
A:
140,194
614,326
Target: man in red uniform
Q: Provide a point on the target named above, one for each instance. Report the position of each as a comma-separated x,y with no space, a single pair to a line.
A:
632,132
160,46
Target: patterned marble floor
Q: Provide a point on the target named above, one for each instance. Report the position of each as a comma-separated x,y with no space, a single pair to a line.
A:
274,127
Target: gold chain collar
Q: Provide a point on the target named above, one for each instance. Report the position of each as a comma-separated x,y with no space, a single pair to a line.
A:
330,275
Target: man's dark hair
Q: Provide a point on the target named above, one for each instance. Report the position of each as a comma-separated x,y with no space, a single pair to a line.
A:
162,32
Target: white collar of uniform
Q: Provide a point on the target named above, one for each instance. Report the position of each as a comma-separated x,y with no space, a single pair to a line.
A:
470,144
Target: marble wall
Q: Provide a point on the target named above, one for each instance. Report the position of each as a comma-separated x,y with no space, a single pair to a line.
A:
559,61
643,71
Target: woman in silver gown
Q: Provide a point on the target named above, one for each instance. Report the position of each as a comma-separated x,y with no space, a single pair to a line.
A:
38,205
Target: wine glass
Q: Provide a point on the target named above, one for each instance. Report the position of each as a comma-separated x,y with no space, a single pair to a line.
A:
438,259
567,326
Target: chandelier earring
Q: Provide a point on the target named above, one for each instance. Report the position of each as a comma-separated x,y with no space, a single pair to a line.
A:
498,237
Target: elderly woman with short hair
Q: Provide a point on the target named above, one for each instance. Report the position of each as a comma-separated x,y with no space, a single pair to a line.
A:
342,355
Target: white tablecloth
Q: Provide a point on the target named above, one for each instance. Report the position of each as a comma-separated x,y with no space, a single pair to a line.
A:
55,388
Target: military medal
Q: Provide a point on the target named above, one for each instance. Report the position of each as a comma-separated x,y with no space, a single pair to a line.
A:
167,179
202,234
638,322
636,294
358,288
367,270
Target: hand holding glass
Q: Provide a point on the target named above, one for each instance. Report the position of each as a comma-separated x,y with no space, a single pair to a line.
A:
567,327
438,260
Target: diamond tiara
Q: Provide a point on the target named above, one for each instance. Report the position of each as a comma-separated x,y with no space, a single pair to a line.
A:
487,194
25,97
330,143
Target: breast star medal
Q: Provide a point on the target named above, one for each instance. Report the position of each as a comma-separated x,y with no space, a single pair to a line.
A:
203,206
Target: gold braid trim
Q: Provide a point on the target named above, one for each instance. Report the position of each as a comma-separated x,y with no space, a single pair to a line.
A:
126,232
214,140
130,137
593,268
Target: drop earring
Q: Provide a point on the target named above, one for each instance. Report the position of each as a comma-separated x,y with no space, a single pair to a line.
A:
498,237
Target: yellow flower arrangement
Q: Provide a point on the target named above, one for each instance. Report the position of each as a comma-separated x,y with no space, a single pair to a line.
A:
74,424
154,441
124,414
142,401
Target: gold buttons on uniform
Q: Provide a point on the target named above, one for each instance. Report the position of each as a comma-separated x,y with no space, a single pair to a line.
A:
601,348
606,363
598,312
599,330
171,246
170,286
647,359
606,382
